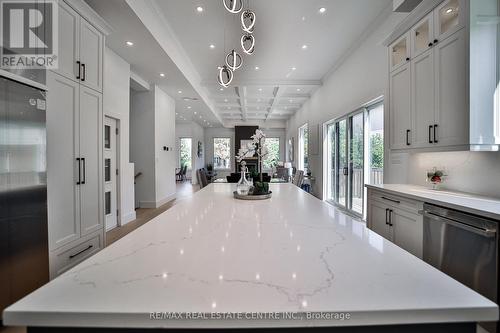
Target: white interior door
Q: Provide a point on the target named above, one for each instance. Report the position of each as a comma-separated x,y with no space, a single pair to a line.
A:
110,171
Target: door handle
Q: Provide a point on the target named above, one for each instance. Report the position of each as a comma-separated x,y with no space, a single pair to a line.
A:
84,172
485,232
79,70
430,134
386,216
435,133
79,171
84,72
390,218
345,171
408,137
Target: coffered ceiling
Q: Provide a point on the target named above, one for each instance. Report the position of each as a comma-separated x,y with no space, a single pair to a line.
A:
298,42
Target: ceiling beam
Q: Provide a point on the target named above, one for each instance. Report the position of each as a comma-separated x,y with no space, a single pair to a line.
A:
266,83
278,91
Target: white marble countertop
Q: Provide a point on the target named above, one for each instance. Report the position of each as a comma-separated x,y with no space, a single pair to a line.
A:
484,206
211,253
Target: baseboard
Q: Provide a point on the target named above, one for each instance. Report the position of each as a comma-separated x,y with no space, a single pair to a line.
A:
156,204
128,218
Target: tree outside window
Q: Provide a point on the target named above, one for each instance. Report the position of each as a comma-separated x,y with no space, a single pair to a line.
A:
186,152
273,155
222,153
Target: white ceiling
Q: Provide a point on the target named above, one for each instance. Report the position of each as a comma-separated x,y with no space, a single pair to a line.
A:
287,74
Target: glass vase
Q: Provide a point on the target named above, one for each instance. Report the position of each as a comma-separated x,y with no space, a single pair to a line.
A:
243,186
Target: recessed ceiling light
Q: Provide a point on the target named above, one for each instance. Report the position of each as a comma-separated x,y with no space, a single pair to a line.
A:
304,47
199,9
322,10
195,112
200,117
189,107
257,68
129,43
212,46
176,113
260,89
162,74
298,89
221,89
294,68
180,92
225,100
258,100
449,10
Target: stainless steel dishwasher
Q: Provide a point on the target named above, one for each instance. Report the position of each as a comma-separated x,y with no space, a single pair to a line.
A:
464,246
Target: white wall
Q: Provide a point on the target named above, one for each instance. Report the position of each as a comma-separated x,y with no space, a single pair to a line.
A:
362,77
116,105
222,132
197,134
165,160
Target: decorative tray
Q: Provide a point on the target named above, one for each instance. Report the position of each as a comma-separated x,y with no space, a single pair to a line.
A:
252,197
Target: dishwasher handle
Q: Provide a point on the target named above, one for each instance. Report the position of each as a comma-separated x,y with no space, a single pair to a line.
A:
479,231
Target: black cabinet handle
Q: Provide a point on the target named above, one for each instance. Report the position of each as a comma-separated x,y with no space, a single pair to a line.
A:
407,59
391,200
430,134
80,252
79,70
386,216
84,172
408,137
79,171
84,72
390,217
430,45
435,133
435,41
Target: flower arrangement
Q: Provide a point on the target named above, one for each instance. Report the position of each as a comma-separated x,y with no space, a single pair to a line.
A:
257,146
436,177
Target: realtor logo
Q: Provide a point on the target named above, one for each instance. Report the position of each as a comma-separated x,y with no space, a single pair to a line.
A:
28,34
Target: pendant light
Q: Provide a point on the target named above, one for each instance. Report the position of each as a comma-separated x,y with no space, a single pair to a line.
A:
225,76
248,18
248,44
234,60
233,6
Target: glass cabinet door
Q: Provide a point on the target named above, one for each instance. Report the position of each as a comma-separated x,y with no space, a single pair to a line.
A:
449,18
422,37
399,52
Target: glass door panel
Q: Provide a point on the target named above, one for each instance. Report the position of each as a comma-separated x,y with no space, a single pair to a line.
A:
421,36
399,52
449,18
331,161
356,177
342,164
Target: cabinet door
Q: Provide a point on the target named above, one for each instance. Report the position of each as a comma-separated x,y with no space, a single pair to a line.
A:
449,17
407,231
62,166
422,36
422,75
451,91
399,52
377,219
91,49
400,111
91,151
69,27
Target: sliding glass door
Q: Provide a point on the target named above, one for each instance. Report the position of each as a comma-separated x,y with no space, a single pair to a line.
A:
354,157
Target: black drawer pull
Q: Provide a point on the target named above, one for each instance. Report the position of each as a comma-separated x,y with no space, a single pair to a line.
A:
79,171
386,216
391,200
430,134
408,137
78,253
84,76
435,134
390,218
79,70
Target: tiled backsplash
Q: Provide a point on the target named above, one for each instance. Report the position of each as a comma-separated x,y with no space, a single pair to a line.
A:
475,172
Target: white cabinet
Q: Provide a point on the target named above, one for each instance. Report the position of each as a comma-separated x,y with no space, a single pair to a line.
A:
435,88
396,219
400,107
399,52
75,142
80,48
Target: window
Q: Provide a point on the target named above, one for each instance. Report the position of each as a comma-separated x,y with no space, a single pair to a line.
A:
222,153
273,155
354,157
303,162
186,152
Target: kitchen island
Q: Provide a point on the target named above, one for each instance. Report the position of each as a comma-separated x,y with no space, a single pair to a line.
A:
213,262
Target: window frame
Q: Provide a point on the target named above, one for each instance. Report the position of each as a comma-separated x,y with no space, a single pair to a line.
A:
213,154
301,146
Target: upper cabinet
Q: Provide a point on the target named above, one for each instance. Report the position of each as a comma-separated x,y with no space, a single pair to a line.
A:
81,48
445,92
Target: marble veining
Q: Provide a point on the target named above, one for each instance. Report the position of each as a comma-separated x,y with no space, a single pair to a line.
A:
212,253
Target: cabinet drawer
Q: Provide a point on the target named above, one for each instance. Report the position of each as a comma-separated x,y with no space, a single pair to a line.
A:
396,201
74,253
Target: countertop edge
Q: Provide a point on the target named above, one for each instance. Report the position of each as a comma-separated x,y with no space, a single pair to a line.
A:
141,320
436,202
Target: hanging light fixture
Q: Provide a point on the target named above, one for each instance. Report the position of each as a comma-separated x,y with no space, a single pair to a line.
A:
234,60
225,76
233,6
248,44
248,18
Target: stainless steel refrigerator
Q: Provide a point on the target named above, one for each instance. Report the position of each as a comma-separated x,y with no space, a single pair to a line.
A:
23,191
